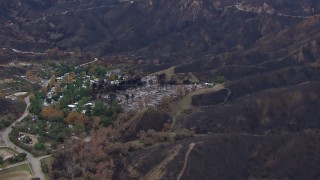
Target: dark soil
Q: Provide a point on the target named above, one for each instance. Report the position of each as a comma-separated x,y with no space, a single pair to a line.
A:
210,98
151,119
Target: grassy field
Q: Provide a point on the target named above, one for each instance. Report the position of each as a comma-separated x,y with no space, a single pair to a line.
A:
20,172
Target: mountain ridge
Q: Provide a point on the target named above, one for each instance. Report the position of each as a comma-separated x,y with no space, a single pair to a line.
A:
261,123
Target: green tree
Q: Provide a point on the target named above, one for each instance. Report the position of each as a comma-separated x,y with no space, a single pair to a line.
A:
78,82
84,92
101,71
87,83
99,109
65,112
70,93
44,167
4,124
84,100
40,146
116,107
35,105
64,102
106,121
78,128
48,87
1,160
17,158
40,95
221,79
80,108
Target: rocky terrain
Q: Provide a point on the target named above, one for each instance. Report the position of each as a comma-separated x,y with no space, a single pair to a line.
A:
261,124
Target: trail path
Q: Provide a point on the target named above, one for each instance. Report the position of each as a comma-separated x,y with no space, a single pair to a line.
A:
186,158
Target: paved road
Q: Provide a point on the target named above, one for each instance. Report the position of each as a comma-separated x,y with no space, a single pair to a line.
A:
35,162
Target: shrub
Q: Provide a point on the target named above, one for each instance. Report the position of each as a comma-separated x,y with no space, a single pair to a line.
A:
4,124
117,148
124,148
133,146
44,167
1,160
221,79
17,158
40,146
152,136
183,133
148,141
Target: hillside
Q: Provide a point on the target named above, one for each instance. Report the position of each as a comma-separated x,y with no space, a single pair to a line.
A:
10,111
261,122
112,27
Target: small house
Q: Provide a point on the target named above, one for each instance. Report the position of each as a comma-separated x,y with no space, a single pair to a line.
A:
72,107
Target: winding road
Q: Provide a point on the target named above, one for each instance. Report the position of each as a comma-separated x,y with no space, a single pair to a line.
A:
84,64
33,161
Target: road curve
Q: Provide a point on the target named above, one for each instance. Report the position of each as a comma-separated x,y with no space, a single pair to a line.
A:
35,162
84,64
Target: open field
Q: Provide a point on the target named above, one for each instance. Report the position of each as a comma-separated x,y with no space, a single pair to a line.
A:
21,175
20,172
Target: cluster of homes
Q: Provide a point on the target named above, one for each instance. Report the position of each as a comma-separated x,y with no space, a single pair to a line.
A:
73,107
152,95
113,77
148,93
